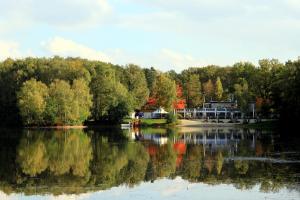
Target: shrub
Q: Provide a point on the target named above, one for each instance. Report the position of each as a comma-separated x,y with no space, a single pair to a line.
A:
171,118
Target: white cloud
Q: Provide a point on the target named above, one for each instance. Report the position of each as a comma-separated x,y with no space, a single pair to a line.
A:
58,13
177,61
70,196
162,59
68,48
9,49
12,49
178,186
293,3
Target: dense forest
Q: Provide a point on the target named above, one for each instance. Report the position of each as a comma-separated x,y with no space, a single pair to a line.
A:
71,91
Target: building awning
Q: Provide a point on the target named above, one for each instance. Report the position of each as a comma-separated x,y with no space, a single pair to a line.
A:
160,111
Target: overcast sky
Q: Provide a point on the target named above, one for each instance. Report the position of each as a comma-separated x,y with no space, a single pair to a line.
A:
166,34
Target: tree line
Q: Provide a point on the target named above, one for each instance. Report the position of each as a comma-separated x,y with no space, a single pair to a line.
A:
71,91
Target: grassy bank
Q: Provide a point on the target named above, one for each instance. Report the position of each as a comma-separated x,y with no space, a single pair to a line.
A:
153,122
149,122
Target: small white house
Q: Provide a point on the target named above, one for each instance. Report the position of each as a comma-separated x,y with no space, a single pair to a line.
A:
158,113
148,114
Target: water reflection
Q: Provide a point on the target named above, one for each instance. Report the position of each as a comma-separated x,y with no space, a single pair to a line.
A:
58,152
77,161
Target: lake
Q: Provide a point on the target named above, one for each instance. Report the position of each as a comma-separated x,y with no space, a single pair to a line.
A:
199,163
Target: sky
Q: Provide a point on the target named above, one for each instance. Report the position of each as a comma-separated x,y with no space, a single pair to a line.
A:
165,34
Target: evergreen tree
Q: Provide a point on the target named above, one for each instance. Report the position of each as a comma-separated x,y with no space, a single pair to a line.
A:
194,93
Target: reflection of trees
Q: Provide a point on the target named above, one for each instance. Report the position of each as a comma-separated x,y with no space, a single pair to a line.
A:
219,162
32,155
209,163
70,162
271,186
108,161
116,164
244,183
62,153
135,170
163,162
241,166
192,162
70,152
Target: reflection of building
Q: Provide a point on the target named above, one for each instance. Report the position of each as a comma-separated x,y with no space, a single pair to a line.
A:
211,139
157,139
215,139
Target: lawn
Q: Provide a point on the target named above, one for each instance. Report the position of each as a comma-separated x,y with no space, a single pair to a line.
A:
149,122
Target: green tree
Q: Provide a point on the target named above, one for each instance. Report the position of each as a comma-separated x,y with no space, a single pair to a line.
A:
286,92
194,93
164,91
218,89
137,85
150,75
116,113
242,95
107,94
82,100
32,102
60,104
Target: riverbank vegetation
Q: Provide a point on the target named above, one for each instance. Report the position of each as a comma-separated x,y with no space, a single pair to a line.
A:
71,91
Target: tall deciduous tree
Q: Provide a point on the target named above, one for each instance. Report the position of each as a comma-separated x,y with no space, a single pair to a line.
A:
82,100
208,88
60,104
218,89
32,102
164,91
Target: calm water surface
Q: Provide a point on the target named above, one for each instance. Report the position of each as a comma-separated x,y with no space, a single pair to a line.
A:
202,163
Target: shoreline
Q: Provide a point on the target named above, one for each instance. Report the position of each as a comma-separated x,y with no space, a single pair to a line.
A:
188,123
265,123
56,127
